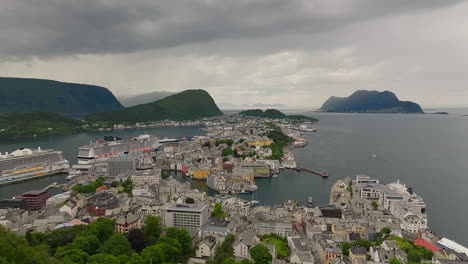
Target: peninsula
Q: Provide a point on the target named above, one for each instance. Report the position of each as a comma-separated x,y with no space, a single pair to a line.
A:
364,101
276,114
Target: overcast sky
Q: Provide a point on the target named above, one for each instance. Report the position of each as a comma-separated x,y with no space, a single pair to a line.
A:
292,52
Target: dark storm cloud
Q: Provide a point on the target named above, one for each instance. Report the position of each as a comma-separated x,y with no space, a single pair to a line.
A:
69,27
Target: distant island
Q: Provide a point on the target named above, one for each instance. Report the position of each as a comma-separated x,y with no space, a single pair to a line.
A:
30,124
273,113
364,101
187,105
132,100
70,99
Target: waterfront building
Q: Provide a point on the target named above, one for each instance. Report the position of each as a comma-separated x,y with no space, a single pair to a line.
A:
34,200
127,223
57,199
201,173
121,165
259,169
188,216
217,181
450,244
12,203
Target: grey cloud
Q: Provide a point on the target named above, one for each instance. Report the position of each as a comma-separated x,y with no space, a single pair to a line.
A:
70,27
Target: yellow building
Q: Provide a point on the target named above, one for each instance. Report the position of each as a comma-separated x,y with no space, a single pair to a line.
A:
347,228
201,173
260,141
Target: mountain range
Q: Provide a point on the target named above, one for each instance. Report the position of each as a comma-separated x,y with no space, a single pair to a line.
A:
22,95
364,101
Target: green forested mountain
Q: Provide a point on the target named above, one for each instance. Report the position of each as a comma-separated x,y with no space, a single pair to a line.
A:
269,113
187,105
370,102
22,95
273,113
28,124
132,100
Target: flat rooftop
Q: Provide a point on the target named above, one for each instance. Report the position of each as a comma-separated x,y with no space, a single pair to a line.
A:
186,207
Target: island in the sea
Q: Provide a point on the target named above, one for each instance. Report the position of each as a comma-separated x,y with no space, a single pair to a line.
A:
276,114
364,101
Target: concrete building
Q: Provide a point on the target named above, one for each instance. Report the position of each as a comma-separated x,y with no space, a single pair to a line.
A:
244,242
188,216
121,165
146,177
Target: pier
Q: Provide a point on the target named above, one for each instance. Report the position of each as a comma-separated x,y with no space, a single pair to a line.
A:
324,174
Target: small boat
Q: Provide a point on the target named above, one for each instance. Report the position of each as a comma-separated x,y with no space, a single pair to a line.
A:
275,175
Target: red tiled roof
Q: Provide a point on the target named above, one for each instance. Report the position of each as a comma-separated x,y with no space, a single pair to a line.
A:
426,244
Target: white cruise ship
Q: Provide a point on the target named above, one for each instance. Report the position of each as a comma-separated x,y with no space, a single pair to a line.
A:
25,164
111,146
408,193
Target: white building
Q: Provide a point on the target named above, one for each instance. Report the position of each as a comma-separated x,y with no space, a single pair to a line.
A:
188,216
206,248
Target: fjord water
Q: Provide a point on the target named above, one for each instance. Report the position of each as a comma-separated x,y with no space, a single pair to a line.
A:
427,152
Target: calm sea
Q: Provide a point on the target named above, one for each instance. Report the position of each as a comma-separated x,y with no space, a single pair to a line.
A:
427,152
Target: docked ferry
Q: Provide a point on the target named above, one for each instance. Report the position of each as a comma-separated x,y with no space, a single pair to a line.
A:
111,146
26,164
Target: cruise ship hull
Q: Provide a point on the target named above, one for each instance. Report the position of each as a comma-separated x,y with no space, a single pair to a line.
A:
38,171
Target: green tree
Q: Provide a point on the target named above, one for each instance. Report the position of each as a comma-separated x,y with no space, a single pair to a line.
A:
227,151
345,248
165,175
152,254
104,259
260,254
363,243
228,261
87,243
246,261
375,205
135,259
224,251
394,261
189,200
152,230
185,240
386,231
72,255
136,238
102,228
116,245
218,211
413,256
15,249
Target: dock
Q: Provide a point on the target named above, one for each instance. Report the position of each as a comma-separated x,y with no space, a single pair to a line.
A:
324,174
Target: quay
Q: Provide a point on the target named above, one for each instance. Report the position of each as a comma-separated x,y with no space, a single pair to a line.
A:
324,174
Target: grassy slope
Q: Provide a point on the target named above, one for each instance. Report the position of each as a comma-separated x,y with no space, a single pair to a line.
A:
28,124
187,105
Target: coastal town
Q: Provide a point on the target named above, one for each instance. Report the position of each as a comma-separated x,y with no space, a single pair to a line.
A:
365,221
